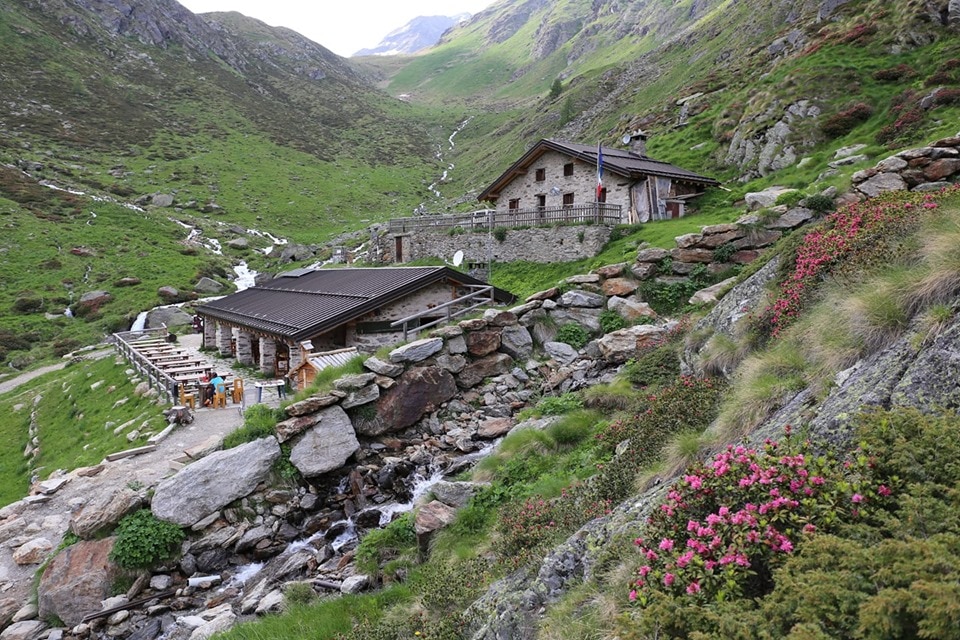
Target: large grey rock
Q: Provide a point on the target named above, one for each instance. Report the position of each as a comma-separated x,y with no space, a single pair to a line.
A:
207,285
579,298
382,368
167,317
24,630
710,294
880,183
362,396
931,380
629,309
455,494
561,352
588,318
105,509
516,342
791,219
417,351
76,580
327,445
619,346
209,484
766,198
354,382
354,584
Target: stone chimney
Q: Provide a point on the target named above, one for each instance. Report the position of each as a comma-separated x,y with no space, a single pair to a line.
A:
638,143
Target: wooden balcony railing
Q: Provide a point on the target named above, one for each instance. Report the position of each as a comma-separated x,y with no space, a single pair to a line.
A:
593,213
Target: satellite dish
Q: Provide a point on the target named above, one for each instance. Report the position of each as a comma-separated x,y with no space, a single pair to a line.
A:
626,138
457,258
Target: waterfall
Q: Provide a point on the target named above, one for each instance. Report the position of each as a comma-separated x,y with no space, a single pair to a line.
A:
141,322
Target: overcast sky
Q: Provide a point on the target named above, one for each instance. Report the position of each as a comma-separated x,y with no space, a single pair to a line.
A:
342,26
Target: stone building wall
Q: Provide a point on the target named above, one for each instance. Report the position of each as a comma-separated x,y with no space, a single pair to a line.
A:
545,244
583,184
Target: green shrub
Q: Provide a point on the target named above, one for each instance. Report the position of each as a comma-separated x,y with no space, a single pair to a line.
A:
500,234
611,321
143,541
259,422
724,252
573,428
819,203
573,334
393,540
789,198
299,593
658,365
559,405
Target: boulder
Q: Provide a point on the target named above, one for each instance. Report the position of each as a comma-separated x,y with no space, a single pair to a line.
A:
33,551
499,318
327,445
311,405
167,317
692,255
207,285
8,607
382,368
644,270
766,198
354,584
416,351
429,519
709,294
76,580
288,429
561,352
455,494
474,373
652,255
588,318
494,428
619,346
618,287
362,396
940,169
103,510
238,243
580,298
516,342
213,482
630,310
881,183
168,293
611,270
417,392
24,630
547,294
481,343
354,382
791,219
162,200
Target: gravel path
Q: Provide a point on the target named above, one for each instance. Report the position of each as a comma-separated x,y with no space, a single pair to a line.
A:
32,519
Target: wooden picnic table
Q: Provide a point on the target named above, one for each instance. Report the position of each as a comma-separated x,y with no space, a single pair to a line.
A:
168,355
191,369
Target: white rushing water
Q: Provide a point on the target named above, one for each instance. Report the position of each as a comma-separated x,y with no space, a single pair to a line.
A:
141,322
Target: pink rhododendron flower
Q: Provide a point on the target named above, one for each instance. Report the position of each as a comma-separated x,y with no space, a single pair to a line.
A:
883,490
693,587
668,579
633,595
856,498
666,544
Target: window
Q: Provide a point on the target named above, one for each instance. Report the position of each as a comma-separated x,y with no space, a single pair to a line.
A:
514,204
542,201
568,169
541,175
602,196
568,199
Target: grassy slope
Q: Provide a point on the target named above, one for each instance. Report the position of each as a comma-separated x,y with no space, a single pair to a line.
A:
81,407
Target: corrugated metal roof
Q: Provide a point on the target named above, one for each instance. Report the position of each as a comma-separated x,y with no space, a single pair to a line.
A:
301,306
321,361
621,161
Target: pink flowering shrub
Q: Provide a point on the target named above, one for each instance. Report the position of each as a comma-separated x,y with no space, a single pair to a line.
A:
731,521
852,236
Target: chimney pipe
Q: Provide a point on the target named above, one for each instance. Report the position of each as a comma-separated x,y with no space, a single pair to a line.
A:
638,143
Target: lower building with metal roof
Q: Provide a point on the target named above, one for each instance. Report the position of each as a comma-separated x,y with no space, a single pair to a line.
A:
336,308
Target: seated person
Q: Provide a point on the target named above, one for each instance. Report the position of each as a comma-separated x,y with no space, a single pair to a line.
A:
216,385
